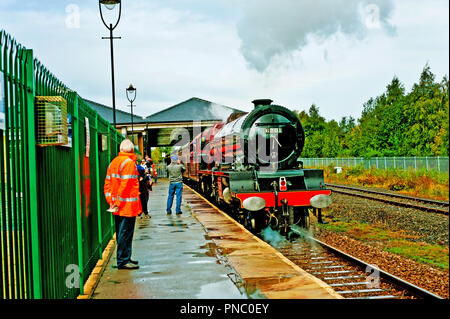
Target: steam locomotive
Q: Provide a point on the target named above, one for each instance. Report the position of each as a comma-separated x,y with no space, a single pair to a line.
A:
250,166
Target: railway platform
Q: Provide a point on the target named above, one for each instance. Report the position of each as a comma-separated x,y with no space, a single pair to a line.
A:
203,254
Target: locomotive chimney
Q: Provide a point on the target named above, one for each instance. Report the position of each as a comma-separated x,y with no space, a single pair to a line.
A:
262,102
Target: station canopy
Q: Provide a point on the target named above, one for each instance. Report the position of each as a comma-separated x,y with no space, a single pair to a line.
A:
162,126
195,112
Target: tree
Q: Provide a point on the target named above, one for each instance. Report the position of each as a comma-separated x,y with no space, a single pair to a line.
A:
314,125
427,116
391,124
156,155
332,139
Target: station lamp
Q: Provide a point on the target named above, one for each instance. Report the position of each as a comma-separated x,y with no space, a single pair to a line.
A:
131,96
110,5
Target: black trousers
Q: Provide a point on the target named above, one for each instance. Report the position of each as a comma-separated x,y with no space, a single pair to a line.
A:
125,239
144,200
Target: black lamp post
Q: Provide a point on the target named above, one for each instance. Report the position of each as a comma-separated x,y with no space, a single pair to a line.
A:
110,5
131,96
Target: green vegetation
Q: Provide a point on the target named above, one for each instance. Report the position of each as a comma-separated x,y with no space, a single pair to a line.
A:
430,184
397,242
395,123
434,255
157,152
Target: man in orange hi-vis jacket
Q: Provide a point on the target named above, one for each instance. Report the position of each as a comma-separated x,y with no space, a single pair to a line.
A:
122,194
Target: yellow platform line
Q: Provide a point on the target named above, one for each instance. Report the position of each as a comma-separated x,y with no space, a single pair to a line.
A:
97,272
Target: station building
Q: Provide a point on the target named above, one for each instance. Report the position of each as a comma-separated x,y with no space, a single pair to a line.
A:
160,128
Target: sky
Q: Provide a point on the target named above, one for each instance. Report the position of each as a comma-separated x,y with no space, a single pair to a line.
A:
336,54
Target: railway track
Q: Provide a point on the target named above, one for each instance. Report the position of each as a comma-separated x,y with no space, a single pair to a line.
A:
430,205
347,275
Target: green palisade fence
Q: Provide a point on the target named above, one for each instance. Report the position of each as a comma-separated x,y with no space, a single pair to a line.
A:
438,163
53,217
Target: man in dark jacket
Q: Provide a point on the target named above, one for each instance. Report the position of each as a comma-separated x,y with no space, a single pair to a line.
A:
143,190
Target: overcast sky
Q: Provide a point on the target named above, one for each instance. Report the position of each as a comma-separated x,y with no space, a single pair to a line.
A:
334,53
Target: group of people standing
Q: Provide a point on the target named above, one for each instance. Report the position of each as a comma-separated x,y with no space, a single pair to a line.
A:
127,186
147,177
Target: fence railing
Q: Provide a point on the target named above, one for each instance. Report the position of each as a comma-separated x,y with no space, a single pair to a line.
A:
161,168
403,163
53,220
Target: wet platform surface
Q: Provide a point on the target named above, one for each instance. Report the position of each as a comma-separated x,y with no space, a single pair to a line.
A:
203,254
176,260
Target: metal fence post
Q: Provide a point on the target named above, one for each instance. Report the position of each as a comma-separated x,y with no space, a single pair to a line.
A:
110,144
394,162
32,179
97,183
415,163
426,161
438,164
76,147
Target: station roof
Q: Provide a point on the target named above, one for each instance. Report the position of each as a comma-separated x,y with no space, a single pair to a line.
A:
106,112
191,110
194,109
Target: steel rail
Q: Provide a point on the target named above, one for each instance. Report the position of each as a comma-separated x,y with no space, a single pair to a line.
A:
392,279
392,202
417,291
418,199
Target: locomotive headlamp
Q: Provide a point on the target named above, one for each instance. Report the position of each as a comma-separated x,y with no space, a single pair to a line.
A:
227,195
321,201
254,204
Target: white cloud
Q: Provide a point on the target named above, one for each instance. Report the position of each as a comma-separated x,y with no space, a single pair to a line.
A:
270,28
172,53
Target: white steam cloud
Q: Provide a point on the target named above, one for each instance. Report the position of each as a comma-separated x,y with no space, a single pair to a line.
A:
271,28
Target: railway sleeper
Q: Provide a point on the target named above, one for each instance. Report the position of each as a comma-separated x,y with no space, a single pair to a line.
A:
334,272
329,267
321,262
350,284
376,297
343,277
360,291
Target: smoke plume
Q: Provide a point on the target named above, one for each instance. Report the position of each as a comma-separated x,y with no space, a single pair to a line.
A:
273,28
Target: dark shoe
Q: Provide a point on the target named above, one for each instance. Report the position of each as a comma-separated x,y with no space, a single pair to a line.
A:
129,266
135,262
179,213
169,213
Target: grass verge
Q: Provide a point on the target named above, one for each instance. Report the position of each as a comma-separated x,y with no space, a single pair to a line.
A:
430,184
397,242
